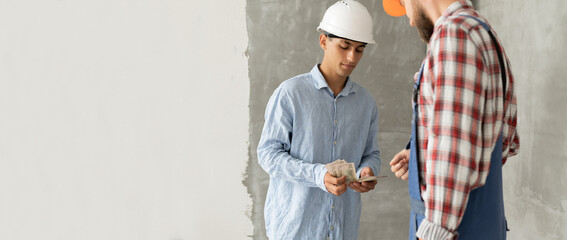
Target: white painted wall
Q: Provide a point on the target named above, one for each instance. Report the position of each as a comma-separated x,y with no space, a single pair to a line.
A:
123,120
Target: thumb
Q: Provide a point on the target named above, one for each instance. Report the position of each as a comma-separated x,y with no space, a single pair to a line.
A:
397,158
367,171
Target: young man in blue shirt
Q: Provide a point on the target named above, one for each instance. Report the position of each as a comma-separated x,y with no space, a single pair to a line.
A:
314,119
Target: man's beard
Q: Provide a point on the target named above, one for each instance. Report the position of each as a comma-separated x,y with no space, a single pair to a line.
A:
422,23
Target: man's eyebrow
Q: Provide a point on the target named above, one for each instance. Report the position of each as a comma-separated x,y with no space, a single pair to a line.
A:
347,42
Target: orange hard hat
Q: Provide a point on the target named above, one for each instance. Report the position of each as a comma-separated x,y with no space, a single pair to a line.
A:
394,8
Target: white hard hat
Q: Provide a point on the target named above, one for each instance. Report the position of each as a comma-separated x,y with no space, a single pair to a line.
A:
348,19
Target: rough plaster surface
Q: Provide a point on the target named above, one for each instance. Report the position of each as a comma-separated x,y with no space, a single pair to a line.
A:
534,35
283,42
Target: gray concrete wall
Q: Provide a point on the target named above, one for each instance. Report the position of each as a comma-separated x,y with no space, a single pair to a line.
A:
283,42
534,35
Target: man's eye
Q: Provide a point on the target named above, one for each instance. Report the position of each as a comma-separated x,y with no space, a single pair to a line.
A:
343,47
359,50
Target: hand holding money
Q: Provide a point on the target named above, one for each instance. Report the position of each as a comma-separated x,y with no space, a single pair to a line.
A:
334,185
362,187
341,168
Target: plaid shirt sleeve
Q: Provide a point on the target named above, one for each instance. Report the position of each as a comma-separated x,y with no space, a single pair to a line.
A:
461,116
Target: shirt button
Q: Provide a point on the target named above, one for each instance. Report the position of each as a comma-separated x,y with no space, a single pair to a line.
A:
335,142
333,207
327,238
335,121
331,227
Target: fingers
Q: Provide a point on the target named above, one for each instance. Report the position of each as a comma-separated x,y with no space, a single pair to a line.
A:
336,189
400,168
370,185
337,181
336,186
399,164
367,186
356,186
363,187
340,189
396,159
405,176
366,171
401,156
333,180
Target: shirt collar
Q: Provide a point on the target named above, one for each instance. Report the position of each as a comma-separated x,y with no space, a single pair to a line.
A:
452,9
319,82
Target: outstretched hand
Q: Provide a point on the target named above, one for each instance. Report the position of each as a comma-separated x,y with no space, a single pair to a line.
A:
400,164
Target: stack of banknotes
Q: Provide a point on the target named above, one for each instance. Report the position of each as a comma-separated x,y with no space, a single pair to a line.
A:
341,168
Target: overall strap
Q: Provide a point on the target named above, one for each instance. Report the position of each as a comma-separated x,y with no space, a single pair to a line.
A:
416,203
417,84
498,51
413,178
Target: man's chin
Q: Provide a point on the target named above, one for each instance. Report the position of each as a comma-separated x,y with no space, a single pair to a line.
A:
345,72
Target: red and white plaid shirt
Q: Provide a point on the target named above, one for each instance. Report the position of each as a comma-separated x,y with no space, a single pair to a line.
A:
461,111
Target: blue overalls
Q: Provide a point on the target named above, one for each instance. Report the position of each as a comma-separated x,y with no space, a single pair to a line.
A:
484,214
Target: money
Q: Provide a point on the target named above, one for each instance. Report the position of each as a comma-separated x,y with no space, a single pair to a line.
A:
341,168
369,178
338,168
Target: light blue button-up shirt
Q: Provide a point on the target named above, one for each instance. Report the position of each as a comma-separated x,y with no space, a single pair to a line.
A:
306,127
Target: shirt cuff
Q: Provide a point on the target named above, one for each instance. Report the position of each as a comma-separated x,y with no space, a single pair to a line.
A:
429,230
321,177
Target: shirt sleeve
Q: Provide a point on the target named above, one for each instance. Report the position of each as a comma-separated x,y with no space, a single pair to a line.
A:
274,146
511,144
454,160
371,155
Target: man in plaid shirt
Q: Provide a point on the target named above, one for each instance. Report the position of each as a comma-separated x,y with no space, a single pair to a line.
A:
464,123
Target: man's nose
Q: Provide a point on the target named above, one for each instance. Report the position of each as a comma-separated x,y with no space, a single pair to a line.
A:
351,55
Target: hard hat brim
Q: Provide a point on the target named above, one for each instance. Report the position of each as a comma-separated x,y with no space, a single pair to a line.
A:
340,33
348,19
394,8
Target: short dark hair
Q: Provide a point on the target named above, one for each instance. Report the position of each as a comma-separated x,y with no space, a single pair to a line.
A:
330,35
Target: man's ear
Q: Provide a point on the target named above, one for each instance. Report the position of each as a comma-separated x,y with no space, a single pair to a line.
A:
323,41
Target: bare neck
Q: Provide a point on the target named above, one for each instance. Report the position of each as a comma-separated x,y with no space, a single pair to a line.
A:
335,82
435,9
